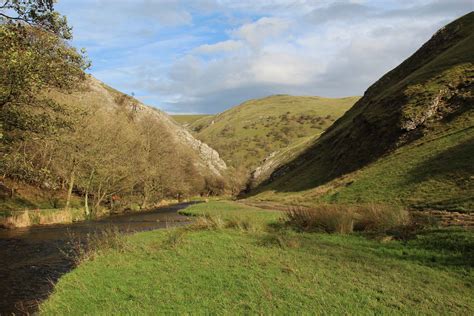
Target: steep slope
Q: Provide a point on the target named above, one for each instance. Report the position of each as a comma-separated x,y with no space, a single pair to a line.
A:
96,93
408,139
246,134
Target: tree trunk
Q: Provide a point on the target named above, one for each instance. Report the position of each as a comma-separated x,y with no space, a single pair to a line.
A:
69,190
99,200
86,197
86,203
145,196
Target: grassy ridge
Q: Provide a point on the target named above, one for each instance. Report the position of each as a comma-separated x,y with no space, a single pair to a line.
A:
229,271
407,140
246,134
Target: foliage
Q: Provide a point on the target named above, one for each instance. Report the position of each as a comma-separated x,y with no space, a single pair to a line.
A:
37,13
34,61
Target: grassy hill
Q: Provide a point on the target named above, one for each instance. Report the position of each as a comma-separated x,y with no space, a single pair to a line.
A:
408,140
246,134
191,119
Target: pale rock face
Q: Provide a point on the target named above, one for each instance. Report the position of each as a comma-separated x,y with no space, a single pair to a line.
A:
413,123
208,155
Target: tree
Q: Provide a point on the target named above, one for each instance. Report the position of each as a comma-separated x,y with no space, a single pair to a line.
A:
37,13
36,59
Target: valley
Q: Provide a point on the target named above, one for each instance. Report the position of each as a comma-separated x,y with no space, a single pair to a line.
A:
362,203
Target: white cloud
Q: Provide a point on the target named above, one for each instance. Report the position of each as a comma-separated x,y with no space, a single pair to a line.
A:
207,55
220,47
263,29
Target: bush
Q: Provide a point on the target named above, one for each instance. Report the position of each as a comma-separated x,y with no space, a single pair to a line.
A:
343,219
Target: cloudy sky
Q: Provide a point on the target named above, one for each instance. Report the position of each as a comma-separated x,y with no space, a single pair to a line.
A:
204,56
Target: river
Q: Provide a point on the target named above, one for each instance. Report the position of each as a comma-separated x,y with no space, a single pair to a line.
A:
32,259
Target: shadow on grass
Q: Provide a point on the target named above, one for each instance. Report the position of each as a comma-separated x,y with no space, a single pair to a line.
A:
445,248
453,165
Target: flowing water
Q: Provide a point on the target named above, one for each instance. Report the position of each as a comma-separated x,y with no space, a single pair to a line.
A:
32,259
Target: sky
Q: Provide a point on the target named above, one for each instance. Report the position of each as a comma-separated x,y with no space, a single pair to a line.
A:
205,56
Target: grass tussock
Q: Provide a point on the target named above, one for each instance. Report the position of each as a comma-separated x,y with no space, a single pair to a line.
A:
344,219
81,249
215,222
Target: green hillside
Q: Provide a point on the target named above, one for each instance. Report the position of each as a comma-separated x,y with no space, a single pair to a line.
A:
188,120
246,134
409,139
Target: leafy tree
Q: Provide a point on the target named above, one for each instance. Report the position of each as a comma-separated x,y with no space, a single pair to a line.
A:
37,13
35,60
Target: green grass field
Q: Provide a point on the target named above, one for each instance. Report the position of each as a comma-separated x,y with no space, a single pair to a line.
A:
246,134
263,269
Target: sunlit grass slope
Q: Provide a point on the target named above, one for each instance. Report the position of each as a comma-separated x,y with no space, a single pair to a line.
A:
246,134
260,270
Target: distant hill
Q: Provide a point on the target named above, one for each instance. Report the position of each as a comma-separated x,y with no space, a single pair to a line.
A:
248,133
187,120
409,139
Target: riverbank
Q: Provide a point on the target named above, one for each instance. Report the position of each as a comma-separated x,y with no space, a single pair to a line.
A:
33,258
240,259
42,217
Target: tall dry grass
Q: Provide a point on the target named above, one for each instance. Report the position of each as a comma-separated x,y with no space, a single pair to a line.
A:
214,222
85,248
337,218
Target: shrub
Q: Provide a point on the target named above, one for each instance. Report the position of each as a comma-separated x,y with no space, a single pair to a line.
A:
336,218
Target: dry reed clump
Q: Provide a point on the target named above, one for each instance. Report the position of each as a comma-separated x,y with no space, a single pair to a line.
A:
81,249
15,220
208,222
336,218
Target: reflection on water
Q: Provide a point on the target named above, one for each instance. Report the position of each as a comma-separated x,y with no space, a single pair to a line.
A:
31,259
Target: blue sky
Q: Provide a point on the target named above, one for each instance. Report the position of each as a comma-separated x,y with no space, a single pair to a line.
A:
205,56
